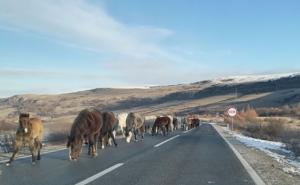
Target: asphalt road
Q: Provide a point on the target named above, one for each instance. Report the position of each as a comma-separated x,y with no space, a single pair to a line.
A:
197,157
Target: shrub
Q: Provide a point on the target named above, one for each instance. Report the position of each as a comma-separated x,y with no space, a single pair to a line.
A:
273,129
292,138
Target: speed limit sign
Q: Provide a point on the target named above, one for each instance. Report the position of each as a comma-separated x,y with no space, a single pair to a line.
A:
232,112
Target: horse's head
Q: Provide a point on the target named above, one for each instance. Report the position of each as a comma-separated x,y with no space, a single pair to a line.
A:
74,145
24,122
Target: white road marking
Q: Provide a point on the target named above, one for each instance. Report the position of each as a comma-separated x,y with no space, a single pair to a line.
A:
100,174
159,144
26,156
188,131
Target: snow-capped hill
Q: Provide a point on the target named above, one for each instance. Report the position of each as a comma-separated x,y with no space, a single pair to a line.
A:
253,78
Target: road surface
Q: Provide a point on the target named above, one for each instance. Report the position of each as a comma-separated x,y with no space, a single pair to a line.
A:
197,157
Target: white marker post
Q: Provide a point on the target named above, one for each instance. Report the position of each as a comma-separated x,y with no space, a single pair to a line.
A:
232,112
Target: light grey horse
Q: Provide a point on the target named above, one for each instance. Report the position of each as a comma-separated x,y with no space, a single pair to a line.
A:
134,125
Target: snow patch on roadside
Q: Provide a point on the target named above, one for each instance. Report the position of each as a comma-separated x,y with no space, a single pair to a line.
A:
276,150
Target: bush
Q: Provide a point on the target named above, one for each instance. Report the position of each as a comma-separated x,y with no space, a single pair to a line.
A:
292,139
273,129
253,127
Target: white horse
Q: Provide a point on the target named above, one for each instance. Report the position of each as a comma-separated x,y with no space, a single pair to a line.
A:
121,117
134,125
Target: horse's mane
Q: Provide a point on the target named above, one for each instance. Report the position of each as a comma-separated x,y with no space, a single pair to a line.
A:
24,115
82,117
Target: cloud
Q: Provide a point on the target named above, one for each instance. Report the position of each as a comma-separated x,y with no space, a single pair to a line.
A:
130,54
79,23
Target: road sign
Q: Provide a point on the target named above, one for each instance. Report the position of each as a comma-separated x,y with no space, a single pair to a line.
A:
232,112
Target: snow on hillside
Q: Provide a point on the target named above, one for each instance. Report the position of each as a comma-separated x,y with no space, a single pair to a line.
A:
253,78
274,149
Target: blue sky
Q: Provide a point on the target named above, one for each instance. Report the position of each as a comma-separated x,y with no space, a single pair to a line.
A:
55,46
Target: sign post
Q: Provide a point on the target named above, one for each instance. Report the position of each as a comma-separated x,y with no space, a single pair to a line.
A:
232,112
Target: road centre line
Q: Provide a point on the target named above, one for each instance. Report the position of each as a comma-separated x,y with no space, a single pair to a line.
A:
170,139
188,131
100,174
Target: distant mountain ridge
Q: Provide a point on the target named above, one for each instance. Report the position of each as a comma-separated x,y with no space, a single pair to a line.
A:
260,91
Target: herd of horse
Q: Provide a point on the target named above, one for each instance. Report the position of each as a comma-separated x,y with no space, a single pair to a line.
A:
92,126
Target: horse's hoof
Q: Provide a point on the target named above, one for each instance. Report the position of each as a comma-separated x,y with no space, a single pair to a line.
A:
7,164
94,155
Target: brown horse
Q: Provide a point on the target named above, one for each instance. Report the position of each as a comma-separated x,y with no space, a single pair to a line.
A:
195,122
192,122
109,124
86,125
30,132
161,123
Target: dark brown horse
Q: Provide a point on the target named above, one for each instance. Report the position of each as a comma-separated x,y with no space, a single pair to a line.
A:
109,125
87,124
30,132
195,122
175,123
161,123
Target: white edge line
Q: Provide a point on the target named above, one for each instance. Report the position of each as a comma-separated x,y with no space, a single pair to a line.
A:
188,131
100,174
159,144
23,157
255,177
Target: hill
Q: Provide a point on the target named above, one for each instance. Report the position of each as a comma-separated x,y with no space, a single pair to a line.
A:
205,97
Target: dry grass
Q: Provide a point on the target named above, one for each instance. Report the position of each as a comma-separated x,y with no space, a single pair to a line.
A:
286,110
7,126
58,132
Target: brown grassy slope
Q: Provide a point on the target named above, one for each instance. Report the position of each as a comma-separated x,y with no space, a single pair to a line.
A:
203,97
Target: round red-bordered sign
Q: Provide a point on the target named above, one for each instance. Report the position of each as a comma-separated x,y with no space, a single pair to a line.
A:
232,112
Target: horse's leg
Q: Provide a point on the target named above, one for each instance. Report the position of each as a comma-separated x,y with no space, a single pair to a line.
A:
39,146
95,145
153,130
111,135
143,131
107,137
32,148
163,130
168,129
90,148
101,140
16,150
135,133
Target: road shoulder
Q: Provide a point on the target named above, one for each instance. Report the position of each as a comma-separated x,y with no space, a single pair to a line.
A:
269,170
